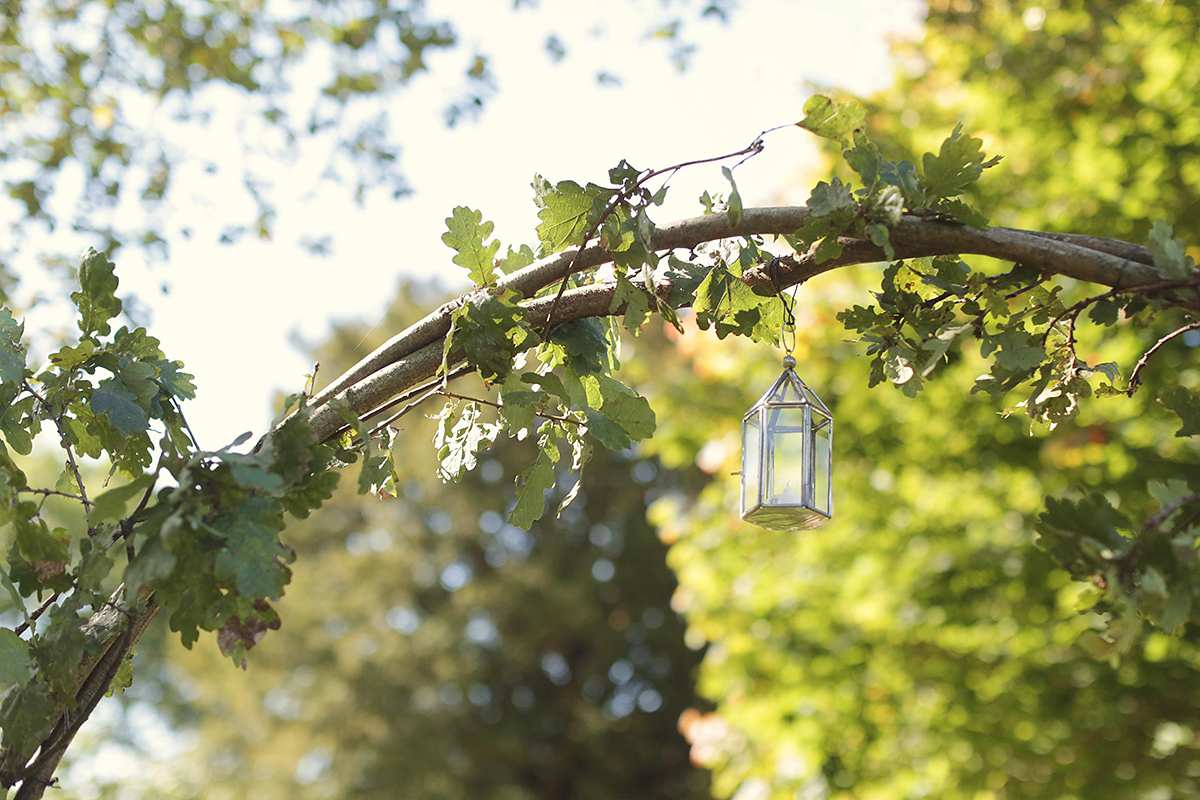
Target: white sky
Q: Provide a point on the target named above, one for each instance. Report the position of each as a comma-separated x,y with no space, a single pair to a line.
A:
232,310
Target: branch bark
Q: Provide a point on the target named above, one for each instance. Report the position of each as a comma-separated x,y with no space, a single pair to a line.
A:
415,354
114,629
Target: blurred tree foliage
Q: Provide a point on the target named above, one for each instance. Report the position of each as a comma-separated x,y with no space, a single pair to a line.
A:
94,95
1091,102
433,650
923,644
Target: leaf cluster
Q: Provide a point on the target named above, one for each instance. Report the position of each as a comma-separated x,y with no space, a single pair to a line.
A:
572,398
171,526
1140,574
890,189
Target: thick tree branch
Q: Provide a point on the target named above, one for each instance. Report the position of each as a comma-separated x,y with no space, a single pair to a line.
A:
112,632
415,354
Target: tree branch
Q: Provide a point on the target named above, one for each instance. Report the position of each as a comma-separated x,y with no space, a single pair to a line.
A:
415,354
114,629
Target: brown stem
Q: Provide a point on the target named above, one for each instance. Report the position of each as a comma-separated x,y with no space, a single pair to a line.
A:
1135,379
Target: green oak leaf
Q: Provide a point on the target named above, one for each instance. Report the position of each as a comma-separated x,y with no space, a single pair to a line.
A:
878,234
962,212
60,649
733,307
957,165
1170,254
12,350
586,343
69,357
458,441
735,198
865,159
1015,349
1185,403
252,553
492,331
14,659
567,213
112,504
621,406
827,199
830,119
172,378
27,715
467,234
94,566
516,259
151,567
15,425
623,173
96,299
635,303
112,399
1077,532
520,403
140,379
536,479
1104,312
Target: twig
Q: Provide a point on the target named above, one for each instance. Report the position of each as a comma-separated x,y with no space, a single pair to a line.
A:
753,149
494,404
1135,378
1155,522
179,410
55,493
66,445
37,612
422,393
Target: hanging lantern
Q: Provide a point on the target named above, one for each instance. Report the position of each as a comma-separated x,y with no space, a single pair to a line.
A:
787,457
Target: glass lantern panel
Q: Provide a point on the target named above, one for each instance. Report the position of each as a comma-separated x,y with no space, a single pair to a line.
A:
752,467
823,463
784,482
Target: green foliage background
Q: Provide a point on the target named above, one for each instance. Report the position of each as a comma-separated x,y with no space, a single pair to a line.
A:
923,643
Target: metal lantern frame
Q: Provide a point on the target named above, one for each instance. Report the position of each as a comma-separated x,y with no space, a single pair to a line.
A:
787,457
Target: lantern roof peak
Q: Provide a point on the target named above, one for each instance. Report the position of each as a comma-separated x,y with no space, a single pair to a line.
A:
789,390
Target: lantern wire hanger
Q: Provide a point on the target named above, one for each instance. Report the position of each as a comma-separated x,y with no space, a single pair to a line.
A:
788,335
789,327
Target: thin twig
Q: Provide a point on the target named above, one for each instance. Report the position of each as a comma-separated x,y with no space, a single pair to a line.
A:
55,493
66,445
422,393
494,404
753,149
1155,522
37,612
1135,378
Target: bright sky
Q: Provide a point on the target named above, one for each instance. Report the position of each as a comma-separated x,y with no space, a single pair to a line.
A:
232,311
